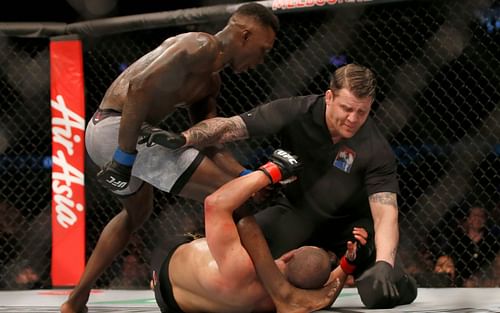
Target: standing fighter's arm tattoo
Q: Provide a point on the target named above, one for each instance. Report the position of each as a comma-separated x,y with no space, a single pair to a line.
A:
215,131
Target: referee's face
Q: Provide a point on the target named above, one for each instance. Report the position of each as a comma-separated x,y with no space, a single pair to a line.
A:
345,113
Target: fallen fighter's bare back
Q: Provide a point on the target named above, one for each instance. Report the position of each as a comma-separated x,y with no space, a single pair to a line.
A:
200,285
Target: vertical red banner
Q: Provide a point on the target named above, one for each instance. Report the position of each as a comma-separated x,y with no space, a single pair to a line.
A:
68,155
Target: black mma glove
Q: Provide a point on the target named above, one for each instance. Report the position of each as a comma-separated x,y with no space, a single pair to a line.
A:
152,135
354,257
380,276
282,167
364,252
115,175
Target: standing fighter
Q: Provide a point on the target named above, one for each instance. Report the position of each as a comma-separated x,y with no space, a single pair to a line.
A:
181,72
349,178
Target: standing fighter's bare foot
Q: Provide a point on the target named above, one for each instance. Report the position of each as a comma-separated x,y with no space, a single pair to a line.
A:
75,305
68,308
306,301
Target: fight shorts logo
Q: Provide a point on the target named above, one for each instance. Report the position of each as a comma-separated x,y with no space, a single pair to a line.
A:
344,159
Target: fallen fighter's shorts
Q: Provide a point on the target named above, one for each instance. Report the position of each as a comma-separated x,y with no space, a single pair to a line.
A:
165,169
161,283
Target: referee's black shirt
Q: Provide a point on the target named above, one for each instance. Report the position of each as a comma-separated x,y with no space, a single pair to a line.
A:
336,178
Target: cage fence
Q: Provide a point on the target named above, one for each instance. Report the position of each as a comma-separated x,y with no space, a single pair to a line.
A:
438,104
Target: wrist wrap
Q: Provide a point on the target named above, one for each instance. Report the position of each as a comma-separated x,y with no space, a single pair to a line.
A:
272,171
346,266
124,158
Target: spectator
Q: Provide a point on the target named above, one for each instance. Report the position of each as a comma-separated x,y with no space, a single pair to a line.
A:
472,245
134,272
494,272
11,219
29,264
445,267
442,274
25,277
430,274
489,277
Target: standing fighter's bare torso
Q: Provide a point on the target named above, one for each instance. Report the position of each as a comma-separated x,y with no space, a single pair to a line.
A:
182,71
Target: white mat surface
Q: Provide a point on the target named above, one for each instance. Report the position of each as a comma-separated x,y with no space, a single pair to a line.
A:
457,300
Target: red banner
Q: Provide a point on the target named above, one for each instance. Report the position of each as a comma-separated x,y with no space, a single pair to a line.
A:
68,155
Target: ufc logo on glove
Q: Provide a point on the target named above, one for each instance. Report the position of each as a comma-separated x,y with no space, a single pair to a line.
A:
117,183
287,156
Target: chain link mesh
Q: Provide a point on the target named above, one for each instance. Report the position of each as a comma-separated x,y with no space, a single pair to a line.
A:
24,163
438,104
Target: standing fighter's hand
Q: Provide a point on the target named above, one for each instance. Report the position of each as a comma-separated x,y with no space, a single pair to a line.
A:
115,175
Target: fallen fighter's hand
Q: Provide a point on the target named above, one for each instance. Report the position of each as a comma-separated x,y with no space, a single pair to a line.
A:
349,261
153,135
306,300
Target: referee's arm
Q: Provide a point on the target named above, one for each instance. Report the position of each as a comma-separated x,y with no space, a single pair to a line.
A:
384,210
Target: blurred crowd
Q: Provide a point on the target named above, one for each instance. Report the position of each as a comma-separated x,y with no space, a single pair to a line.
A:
463,251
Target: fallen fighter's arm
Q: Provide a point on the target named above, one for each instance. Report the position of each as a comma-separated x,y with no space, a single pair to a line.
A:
346,267
221,232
